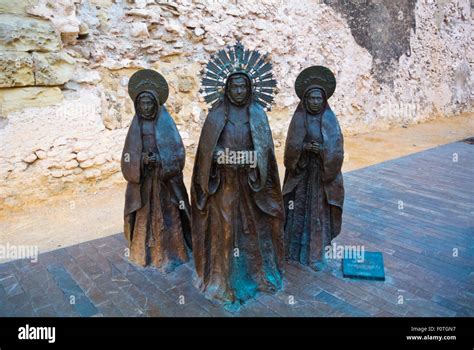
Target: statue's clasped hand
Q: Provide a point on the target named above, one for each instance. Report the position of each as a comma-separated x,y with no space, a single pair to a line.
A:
313,147
151,158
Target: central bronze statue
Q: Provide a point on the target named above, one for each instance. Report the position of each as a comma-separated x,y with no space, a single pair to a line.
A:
237,207
313,188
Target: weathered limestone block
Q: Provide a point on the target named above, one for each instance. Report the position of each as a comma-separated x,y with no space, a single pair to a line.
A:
18,33
102,3
186,83
53,68
61,13
139,30
30,158
16,69
15,7
92,173
82,75
18,98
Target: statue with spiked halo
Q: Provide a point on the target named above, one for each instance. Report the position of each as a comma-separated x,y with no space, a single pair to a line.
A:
237,208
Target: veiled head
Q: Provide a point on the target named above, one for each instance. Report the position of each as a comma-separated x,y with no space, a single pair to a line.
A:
314,100
146,105
238,89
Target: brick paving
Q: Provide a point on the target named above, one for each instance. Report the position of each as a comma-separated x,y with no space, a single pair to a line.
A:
418,210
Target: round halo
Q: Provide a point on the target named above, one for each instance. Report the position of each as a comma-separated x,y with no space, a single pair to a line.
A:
315,75
146,80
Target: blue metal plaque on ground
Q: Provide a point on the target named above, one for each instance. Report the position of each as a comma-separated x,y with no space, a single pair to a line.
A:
370,267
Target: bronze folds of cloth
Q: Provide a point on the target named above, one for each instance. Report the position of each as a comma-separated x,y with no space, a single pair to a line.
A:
243,225
237,211
313,189
157,211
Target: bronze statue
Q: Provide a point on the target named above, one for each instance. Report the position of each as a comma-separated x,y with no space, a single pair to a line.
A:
157,210
313,189
237,207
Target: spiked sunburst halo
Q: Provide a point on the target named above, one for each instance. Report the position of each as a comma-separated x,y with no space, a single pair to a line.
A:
233,60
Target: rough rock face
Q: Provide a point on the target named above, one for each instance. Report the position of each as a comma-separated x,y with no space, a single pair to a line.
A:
21,98
53,68
31,56
383,28
20,33
16,69
65,64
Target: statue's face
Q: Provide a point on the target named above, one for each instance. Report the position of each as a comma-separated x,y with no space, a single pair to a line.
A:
239,90
315,101
147,106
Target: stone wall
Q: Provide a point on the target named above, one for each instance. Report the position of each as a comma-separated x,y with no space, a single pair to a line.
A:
65,64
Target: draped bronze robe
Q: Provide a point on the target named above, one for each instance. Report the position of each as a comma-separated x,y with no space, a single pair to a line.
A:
313,189
157,210
237,214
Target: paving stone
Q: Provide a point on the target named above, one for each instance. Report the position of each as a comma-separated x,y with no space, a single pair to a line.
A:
20,305
5,306
11,286
253,308
108,309
82,304
46,311
413,241
339,304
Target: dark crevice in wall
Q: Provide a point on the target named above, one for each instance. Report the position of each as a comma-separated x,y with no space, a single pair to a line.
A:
383,27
